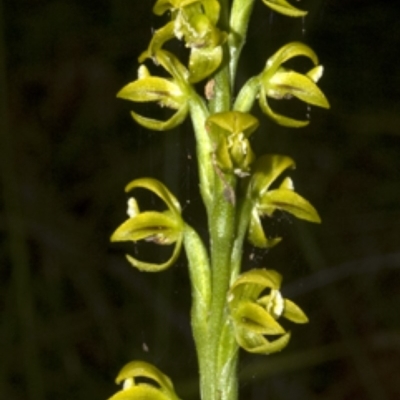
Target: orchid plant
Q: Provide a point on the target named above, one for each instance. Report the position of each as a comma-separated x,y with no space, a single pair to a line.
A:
231,309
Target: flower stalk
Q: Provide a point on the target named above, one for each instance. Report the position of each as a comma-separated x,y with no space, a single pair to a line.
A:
231,309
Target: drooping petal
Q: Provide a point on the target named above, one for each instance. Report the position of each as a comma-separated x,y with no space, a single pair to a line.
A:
253,317
157,267
255,343
159,189
256,235
289,201
285,8
279,118
301,86
286,52
157,125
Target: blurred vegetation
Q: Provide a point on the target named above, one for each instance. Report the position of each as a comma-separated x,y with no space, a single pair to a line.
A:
74,311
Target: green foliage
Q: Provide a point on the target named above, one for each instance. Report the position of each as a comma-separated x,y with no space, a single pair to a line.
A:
229,309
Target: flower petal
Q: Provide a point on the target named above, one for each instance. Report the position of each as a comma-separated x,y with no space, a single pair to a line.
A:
250,284
285,8
256,343
278,118
156,387
162,228
139,369
298,85
153,88
256,235
140,392
255,318
294,313
158,125
286,52
154,267
289,201
159,189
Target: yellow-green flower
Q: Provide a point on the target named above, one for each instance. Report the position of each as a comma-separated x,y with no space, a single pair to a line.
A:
230,132
194,22
157,386
265,201
255,316
280,83
162,228
167,92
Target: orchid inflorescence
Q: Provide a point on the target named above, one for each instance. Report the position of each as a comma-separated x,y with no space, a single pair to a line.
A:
230,308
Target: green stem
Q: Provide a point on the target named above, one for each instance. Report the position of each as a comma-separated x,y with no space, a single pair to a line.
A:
244,210
240,15
247,95
221,100
199,268
222,235
199,114
214,336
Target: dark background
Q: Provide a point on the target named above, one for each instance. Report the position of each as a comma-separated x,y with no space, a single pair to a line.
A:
73,311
